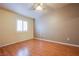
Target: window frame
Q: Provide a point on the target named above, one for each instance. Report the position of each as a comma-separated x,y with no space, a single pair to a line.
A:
21,28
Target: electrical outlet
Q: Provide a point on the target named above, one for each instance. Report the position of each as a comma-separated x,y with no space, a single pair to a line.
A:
68,38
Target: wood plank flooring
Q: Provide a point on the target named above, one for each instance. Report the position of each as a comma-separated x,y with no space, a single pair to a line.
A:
38,48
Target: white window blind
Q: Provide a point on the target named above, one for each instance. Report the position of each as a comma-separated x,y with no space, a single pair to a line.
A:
21,26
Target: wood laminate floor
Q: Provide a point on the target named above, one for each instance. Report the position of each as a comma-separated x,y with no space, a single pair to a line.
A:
38,48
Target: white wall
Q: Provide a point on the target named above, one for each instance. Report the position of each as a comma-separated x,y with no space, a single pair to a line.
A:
61,25
8,33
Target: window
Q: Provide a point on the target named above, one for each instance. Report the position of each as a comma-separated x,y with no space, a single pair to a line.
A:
21,26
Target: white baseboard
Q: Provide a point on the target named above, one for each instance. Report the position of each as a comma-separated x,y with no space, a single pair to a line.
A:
14,42
68,44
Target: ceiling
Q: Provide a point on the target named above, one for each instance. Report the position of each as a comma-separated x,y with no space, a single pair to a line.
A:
57,5
26,8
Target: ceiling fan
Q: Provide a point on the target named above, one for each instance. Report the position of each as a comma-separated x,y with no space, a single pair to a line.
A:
38,6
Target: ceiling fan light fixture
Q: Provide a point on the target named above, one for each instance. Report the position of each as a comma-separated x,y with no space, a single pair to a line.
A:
39,8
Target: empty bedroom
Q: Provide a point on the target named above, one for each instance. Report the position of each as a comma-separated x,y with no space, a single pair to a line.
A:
39,29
